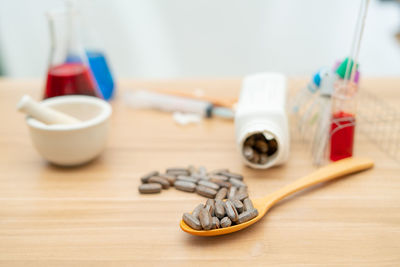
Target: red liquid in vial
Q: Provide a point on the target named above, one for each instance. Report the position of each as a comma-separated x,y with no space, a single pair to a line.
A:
70,79
342,139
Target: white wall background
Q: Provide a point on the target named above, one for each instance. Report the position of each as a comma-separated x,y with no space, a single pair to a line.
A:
208,38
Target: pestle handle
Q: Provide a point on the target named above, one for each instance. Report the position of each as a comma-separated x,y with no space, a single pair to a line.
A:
42,113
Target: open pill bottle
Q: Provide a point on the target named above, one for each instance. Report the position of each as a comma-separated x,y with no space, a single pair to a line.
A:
261,123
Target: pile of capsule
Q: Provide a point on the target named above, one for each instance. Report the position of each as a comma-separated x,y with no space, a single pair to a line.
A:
257,148
228,200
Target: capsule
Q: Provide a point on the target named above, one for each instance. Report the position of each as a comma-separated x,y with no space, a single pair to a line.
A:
232,175
159,180
145,178
236,182
202,170
261,146
248,204
221,193
150,188
185,186
221,183
210,206
205,219
197,210
219,209
205,191
218,177
225,222
232,192
177,169
238,205
209,184
242,193
248,152
170,178
192,221
187,178
263,159
231,211
215,223
192,169
247,216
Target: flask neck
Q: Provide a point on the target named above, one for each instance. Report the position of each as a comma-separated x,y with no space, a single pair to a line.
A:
65,37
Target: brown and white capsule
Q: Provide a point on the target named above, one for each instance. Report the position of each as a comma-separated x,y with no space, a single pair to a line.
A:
185,186
191,169
187,178
202,170
247,216
218,177
231,211
236,182
272,146
199,176
261,146
150,188
248,152
221,193
145,178
263,158
208,184
197,210
225,222
171,178
177,169
205,219
215,223
238,205
256,157
159,180
210,206
192,221
242,193
248,204
219,210
205,191
232,175
232,192
221,183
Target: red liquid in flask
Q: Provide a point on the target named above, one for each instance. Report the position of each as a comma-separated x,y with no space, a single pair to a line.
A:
70,79
342,135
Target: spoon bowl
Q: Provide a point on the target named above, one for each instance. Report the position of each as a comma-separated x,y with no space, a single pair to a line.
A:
329,172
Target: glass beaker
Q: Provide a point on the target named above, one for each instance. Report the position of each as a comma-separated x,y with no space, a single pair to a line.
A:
68,72
93,42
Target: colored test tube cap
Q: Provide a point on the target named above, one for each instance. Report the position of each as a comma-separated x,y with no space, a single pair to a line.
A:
341,70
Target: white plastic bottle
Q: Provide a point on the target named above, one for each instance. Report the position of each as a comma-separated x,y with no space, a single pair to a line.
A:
261,123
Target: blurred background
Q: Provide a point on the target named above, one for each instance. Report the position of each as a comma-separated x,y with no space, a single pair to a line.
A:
208,38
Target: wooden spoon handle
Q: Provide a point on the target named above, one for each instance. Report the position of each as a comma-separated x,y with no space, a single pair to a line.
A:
329,172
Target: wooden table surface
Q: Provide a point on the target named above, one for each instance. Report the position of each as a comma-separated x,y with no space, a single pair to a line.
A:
93,215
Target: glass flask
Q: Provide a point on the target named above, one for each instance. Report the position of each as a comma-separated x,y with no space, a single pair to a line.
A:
93,42
68,72
101,71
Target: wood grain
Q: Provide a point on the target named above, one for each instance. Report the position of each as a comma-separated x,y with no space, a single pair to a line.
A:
94,215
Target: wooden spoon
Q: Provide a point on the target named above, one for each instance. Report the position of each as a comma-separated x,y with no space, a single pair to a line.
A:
329,172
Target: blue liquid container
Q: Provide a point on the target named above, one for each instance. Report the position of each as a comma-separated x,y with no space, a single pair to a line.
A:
101,71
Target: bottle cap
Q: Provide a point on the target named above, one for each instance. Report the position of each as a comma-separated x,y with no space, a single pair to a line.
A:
341,70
